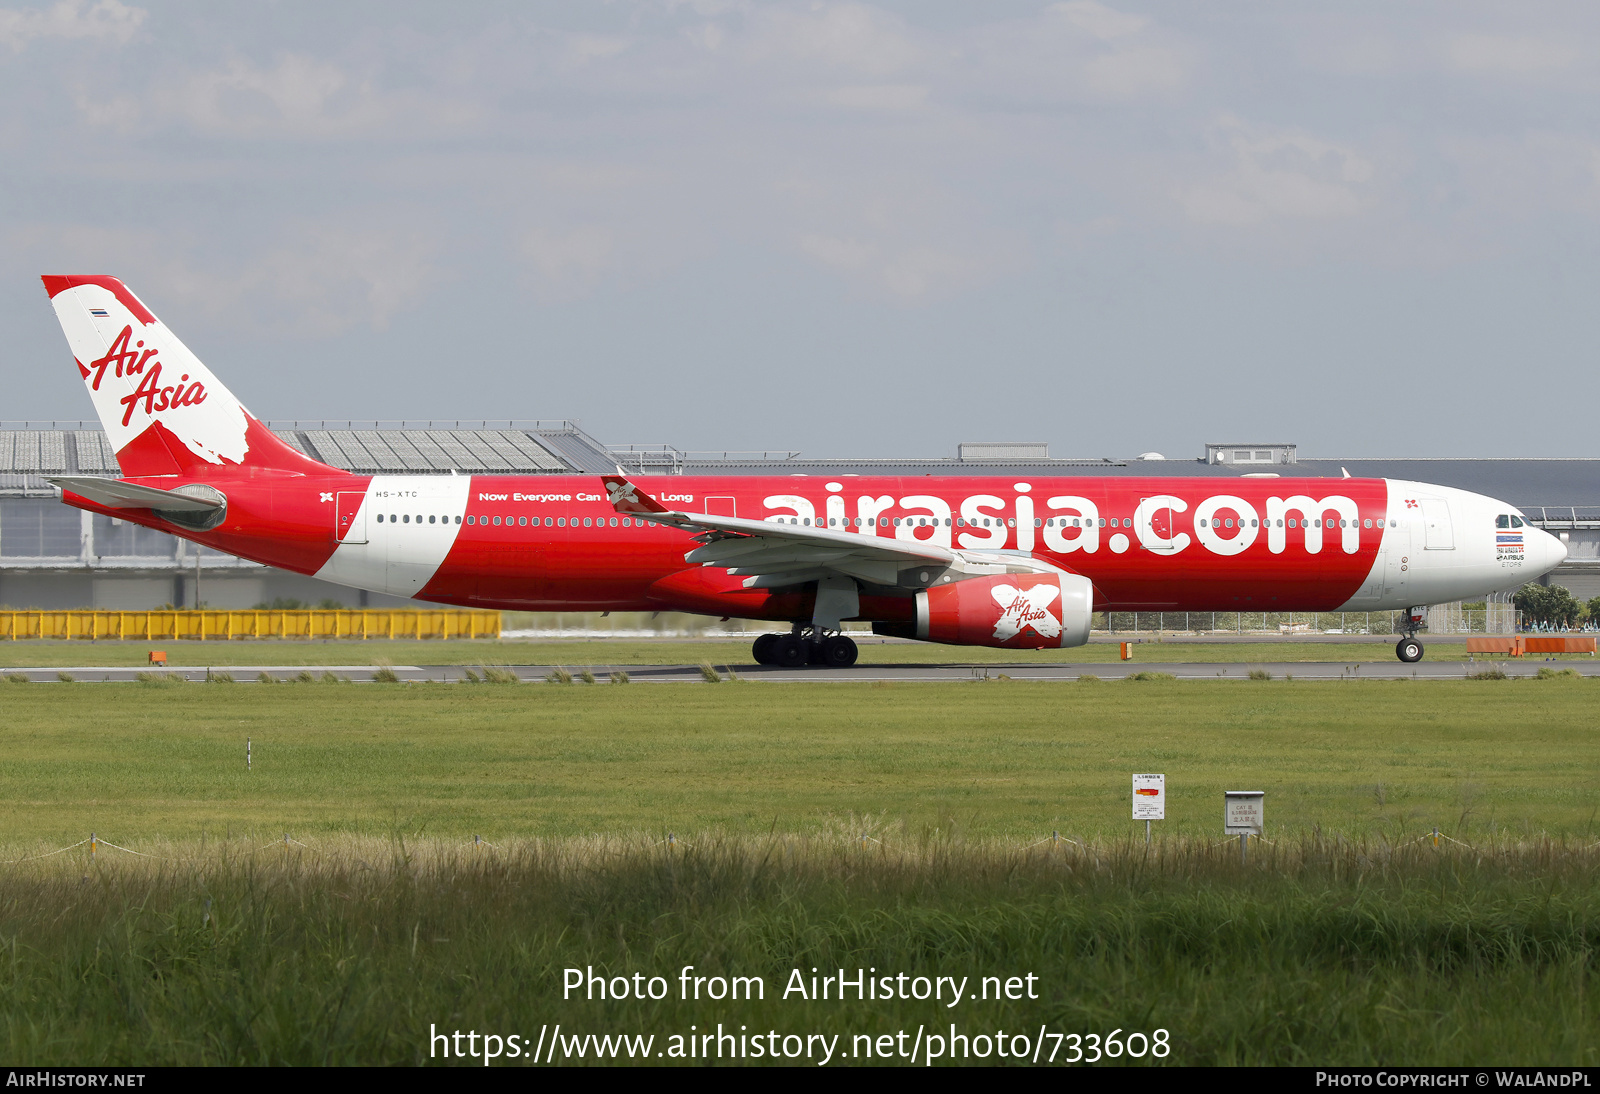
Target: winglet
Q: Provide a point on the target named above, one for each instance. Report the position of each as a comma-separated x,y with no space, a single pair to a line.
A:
628,498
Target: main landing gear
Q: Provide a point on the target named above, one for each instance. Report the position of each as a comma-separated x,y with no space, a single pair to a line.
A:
805,646
1409,648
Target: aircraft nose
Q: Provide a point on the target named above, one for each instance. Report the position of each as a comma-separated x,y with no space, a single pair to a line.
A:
1553,552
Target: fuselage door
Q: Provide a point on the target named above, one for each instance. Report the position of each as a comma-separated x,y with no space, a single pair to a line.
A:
1440,535
350,522
1159,521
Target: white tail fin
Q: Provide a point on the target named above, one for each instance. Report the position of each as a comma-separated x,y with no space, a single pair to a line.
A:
163,411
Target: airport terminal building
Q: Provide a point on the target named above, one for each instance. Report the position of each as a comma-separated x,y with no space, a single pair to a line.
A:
53,556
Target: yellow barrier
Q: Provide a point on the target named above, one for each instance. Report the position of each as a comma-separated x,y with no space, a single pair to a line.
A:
219,624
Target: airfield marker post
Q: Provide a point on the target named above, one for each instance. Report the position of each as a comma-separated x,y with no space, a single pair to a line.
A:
247,754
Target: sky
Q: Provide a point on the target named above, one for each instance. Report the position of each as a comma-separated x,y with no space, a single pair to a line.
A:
850,230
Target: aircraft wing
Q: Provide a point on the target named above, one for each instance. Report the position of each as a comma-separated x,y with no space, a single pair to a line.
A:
774,553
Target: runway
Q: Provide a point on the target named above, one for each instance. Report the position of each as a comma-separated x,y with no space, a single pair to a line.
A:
1066,672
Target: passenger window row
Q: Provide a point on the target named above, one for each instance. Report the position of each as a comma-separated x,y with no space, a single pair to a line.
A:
555,522
1502,521
509,522
405,518
1295,523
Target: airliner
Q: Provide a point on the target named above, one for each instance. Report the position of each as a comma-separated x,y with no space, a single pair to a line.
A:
1015,561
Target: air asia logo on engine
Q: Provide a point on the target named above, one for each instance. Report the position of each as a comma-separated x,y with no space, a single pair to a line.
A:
1021,609
126,361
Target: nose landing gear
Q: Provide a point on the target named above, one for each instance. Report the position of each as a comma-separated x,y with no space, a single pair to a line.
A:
1409,648
805,646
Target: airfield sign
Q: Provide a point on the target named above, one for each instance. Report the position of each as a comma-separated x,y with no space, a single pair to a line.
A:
1149,797
1244,812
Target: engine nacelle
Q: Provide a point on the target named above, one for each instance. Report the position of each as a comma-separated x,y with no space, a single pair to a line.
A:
1016,611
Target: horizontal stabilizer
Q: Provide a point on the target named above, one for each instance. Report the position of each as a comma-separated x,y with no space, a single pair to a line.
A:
114,494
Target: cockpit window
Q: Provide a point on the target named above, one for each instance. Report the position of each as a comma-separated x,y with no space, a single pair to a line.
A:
1516,521
1502,521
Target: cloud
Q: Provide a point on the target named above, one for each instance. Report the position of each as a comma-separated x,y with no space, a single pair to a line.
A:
568,262
1277,174
296,96
879,96
902,238
107,20
1099,20
1518,56
325,278
317,278
849,37
299,94
1074,52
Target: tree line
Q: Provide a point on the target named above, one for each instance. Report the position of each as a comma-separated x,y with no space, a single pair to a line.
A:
1554,606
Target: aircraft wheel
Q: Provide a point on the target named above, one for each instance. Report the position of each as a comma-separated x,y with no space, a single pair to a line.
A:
789,651
761,649
1409,650
838,652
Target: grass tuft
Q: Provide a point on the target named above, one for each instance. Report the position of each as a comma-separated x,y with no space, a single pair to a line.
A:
619,677
305,677
66,677
501,676
1150,677
587,676
709,674
16,678
265,678
219,678
385,674
1547,673
159,679
559,675
470,677
1260,674
1488,674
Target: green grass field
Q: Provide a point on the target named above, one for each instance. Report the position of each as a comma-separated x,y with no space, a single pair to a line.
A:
599,652
1320,952
1003,758
1344,940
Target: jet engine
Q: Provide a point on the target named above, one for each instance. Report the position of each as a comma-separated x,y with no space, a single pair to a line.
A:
1016,611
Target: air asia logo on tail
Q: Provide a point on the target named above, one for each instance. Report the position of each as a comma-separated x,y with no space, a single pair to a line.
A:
129,361
628,498
1022,609
141,376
